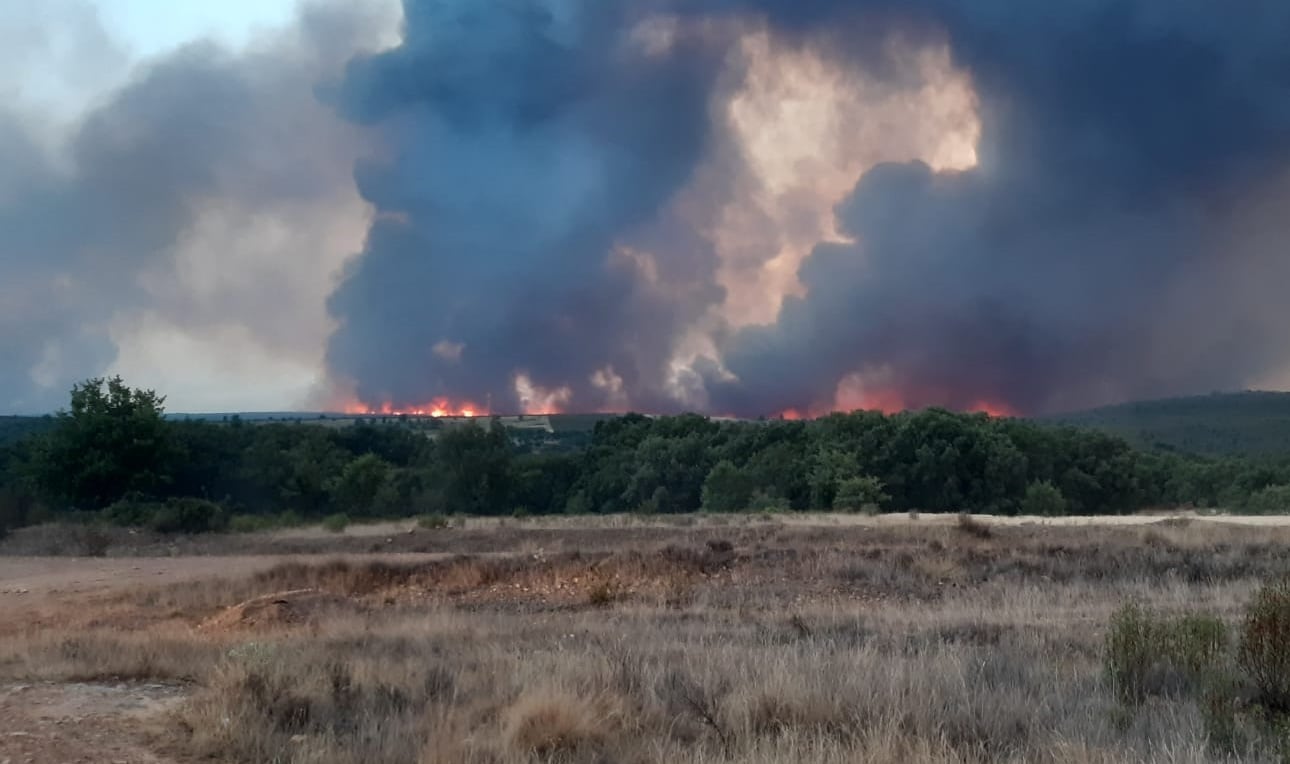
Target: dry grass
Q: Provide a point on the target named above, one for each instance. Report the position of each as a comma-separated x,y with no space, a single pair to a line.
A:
792,644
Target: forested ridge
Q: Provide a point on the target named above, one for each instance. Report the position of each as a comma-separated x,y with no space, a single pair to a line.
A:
112,455
1249,422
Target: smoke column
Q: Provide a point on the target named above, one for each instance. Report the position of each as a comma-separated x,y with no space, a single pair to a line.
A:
743,207
562,182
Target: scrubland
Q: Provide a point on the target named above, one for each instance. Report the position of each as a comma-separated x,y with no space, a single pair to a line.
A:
960,641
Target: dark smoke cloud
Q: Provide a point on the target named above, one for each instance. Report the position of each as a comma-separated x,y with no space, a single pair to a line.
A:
524,140
543,175
93,212
1104,248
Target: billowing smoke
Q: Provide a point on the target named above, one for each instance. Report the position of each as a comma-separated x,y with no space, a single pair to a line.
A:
177,218
561,181
736,206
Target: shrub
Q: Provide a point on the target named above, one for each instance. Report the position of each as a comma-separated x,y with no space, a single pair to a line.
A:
1273,500
765,501
251,523
1044,499
131,512
726,489
1195,643
1149,655
16,509
1130,652
1264,652
860,493
336,523
92,541
973,527
433,521
189,515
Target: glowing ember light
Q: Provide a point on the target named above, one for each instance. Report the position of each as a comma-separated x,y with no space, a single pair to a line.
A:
994,409
437,408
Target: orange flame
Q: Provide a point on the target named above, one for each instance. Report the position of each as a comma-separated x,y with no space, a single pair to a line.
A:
438,407
890,402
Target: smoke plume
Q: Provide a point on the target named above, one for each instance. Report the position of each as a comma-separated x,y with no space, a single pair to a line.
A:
182,228
741,207
564,180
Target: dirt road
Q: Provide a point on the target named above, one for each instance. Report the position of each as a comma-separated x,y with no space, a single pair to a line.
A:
34,578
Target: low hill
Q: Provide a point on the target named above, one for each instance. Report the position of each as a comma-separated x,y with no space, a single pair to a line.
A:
1251,422
15,428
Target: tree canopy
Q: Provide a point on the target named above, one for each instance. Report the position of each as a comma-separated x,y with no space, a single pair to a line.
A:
114,452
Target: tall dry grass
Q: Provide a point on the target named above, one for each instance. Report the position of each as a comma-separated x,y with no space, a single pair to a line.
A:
931,644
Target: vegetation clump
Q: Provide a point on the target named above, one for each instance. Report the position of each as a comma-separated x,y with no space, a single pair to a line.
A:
115,456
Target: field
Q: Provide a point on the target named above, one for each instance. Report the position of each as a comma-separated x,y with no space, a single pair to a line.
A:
711,639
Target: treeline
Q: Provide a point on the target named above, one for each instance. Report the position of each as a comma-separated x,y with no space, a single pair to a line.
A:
112,455
1220,424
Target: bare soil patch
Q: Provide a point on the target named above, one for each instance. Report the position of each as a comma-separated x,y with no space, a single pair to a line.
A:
96,723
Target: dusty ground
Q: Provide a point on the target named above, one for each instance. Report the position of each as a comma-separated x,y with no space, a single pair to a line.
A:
80,722
465,644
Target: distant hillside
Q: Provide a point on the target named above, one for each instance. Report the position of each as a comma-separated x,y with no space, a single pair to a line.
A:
1222,423
15,428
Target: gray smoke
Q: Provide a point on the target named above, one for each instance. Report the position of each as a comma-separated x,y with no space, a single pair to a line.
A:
1110,243
95,207
543,176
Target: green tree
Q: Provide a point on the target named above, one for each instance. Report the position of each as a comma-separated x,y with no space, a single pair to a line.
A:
472,470
860,493
727,488
360,485
830,467
111,441
1044,499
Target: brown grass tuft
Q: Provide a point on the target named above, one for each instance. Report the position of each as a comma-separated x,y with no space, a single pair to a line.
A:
553,722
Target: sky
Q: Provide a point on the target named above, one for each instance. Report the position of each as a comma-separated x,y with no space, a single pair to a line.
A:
149,27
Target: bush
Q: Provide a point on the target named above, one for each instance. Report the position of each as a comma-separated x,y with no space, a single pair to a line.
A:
1273,500
768,502
1195,643
433,521
336,523
1149,655
860,493
131,512
1264,652
1130,652
251,523
16,509
189,516
726,489
973,527
1044,499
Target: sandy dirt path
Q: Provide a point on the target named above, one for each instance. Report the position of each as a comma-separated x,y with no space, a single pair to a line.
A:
40,577
102,723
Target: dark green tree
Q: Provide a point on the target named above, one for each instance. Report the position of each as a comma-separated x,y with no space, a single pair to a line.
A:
111,441
860,493
360,484
727,488
1044,499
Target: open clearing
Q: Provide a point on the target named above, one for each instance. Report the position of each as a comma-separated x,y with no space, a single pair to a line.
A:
783,639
